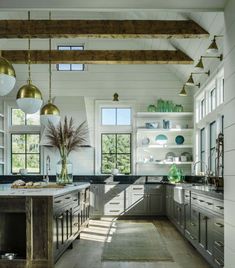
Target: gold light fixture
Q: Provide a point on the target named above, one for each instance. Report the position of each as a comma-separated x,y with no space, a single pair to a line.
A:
115,97
213,48
7,76
190,81
29,97
200,65
183,92
50,112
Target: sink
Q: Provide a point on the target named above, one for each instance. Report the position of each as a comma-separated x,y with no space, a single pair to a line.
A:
179,194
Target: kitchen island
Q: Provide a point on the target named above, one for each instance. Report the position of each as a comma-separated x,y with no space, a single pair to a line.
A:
38,225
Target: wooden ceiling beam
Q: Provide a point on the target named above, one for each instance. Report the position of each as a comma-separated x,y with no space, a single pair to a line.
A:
101,29
99,56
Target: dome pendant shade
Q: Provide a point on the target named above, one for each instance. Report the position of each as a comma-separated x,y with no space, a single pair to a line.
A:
190,81
183,92
29,98
7,77
213,48
50,113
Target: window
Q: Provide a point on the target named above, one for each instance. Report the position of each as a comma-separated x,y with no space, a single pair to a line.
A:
202,148
68,66
202,108
25,152
116,152
212,146
24,142
212,100
116,116
18,117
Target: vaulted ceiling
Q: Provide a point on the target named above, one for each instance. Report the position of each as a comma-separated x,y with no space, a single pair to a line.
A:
212,21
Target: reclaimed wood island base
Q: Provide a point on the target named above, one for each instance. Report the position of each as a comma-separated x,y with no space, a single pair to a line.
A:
40,224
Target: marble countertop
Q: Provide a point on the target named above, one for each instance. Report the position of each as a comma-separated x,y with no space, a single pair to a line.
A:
6,190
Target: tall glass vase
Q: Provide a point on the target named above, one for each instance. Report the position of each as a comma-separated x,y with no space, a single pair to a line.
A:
64,171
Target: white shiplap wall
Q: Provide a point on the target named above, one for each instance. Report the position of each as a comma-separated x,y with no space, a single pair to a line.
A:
229,131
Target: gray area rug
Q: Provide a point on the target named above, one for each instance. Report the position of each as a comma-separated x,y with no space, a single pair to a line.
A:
135,242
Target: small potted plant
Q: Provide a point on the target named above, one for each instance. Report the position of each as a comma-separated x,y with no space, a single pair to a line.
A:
66,138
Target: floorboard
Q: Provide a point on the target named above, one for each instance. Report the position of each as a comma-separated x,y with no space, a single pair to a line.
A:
87,251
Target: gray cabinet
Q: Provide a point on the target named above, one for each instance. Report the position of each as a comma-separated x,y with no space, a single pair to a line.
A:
136,200
155,199
96,200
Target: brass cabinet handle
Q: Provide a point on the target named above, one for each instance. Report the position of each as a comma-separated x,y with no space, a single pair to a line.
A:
186,195
59,201
220,207
114,203
219,224
219,244
137,188
114,211
209,204
201,200
219,263
194,198
205,218
75,200
68,197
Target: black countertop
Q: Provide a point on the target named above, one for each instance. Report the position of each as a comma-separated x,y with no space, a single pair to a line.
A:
192,183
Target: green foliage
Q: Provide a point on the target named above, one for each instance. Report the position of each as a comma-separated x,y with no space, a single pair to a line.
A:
116,149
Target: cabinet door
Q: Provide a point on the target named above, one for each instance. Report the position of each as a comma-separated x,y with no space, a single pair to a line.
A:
155,204
136,204
206,239
96,199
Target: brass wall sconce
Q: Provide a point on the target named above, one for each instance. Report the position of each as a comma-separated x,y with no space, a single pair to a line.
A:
200,65
190,82
115,97
213,48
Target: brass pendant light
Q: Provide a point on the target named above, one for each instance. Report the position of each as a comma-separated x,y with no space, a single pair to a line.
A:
50,112
7,76
29,97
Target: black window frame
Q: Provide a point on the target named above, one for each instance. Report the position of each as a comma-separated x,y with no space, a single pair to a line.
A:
26,153
70,64
212,148
130,154
202,150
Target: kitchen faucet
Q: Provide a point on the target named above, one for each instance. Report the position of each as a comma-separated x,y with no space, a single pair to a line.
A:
48,168
205,169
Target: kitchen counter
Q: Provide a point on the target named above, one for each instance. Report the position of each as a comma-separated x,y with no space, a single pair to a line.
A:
6,190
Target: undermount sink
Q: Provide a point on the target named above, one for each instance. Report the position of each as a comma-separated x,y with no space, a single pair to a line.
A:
179,194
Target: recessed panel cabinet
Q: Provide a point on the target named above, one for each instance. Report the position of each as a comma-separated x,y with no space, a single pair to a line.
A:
203,223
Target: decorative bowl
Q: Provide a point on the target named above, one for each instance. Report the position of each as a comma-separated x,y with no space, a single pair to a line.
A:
161,139
179,140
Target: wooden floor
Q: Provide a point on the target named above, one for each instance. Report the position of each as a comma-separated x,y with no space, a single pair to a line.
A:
87,251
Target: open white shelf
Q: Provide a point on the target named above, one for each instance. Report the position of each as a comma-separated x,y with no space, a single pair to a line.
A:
1,147
2,131
2,115
2,163
164,163
163,114
173,146
165,130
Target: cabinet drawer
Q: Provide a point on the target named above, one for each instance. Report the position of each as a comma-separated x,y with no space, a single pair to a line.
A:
219,225
15,204
154,189
218,245
218,258
208,203
219,207
137,189
194,199
187,196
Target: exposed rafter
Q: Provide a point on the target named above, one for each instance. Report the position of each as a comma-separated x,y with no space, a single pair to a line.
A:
101,29
100,56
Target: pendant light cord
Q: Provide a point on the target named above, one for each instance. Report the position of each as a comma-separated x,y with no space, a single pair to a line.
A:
29,48
50,72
